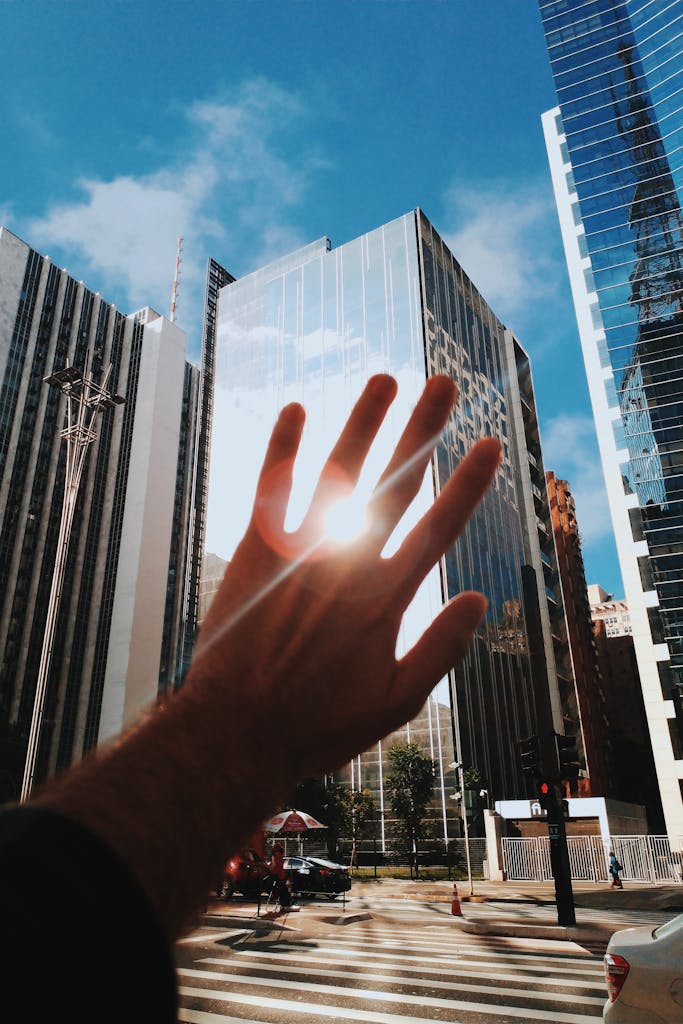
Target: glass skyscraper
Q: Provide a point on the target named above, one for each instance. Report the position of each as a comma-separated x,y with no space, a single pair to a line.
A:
313,327
615,144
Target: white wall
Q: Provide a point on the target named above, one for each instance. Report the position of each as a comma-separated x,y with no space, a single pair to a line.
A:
132,673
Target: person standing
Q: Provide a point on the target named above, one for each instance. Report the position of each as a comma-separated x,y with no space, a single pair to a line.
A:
279,876
614,869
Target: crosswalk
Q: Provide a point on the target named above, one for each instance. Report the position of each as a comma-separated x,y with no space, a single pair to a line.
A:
386,974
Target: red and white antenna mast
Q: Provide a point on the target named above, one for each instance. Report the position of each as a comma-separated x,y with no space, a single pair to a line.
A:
176,276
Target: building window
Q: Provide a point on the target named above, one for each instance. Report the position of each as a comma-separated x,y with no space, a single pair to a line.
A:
675,734
596,316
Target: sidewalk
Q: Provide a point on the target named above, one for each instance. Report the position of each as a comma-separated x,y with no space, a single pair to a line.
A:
233,920
503,898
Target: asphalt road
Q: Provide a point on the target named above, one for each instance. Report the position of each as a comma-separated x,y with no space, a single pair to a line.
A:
397,955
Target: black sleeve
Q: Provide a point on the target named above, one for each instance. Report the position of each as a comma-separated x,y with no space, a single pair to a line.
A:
80,941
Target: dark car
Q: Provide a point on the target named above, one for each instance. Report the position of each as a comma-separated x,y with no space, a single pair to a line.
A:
245,873
315,875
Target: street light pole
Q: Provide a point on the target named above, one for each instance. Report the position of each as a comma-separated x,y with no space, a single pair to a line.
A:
463,811
84,399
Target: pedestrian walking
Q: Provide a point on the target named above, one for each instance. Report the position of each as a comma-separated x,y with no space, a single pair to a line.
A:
614,869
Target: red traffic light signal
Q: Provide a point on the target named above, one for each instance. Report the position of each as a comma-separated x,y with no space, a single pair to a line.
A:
546,795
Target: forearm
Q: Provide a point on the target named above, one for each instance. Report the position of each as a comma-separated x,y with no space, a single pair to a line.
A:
175,795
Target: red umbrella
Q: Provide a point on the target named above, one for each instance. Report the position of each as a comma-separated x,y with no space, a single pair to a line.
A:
292,821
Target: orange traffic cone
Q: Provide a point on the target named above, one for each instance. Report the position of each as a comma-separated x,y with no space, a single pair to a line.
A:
455,905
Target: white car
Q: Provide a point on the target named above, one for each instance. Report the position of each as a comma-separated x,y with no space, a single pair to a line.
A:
644,974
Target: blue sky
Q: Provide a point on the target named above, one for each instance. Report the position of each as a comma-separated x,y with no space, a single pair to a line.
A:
253,127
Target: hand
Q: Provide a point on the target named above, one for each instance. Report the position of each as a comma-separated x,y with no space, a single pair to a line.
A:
295,669
309,626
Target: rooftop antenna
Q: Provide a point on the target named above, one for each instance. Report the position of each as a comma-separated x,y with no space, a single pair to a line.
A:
176,276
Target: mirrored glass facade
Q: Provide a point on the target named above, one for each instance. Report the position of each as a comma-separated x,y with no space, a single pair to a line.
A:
313,327
618,71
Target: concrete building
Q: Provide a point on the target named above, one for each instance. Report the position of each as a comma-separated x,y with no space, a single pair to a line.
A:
313,326
122,623
613,613
593,723
613,144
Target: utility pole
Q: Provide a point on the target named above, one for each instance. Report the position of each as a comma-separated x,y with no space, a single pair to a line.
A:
84,399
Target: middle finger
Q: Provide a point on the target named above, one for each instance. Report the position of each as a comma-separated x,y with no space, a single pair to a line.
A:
401,481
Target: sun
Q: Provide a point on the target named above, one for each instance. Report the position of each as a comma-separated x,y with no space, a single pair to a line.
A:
346,519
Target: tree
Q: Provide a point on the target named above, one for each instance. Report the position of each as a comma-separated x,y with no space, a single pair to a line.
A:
360,810
325,800
409,785
472,778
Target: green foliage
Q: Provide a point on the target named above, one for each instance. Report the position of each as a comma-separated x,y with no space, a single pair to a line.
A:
472,778
323,799
360,811
409,787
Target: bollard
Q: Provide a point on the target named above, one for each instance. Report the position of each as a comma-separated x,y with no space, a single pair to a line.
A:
455,905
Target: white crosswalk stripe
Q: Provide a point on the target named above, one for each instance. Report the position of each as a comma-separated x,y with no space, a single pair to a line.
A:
495,946
466,969
447,986
386,976
346,948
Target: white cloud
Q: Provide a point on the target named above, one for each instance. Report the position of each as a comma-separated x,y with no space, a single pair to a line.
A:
570,450
228,196
503,237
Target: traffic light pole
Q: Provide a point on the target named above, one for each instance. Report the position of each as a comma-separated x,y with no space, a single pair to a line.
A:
559,861
548,755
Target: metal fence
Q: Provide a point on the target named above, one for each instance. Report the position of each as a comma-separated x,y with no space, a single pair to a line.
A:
437,858
643,858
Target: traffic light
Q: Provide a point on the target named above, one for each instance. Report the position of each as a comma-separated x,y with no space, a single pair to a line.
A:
568,757
546,795
530,755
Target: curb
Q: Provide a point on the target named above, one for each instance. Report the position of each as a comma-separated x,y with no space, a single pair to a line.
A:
515,929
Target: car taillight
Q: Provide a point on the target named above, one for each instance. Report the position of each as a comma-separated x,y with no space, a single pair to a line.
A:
325,871
616,973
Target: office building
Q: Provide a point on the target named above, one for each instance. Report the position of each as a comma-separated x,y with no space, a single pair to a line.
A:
312,327
122,616
614,149
634,778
